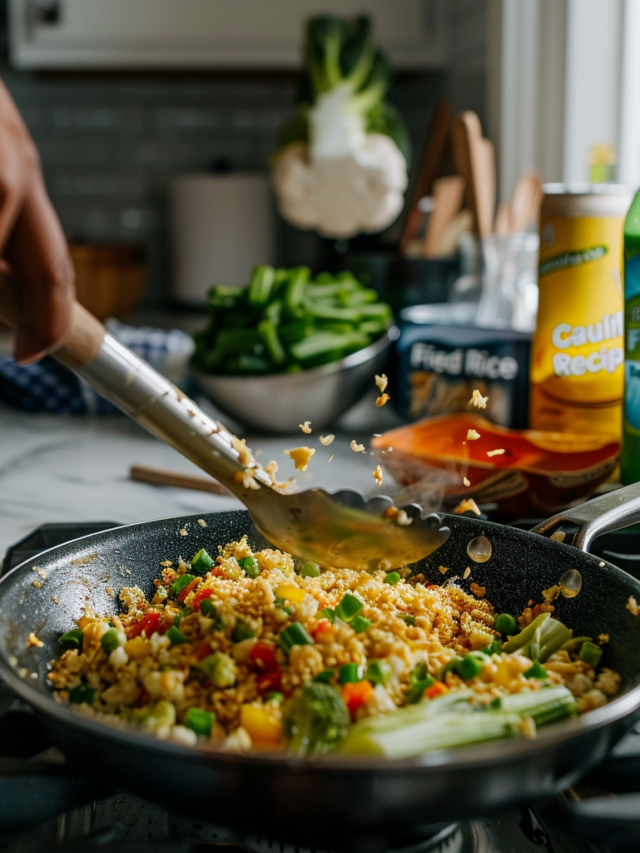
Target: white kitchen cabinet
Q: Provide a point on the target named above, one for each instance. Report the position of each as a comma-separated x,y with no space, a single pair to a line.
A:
209,33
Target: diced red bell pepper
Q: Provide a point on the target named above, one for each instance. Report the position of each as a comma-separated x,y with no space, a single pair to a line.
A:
188,588
355,694
197,598
263,655
324,632
437,689
150,623
217,572
270,681
144,698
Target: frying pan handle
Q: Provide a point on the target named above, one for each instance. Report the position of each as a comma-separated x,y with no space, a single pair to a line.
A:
144,394
614,820
612,511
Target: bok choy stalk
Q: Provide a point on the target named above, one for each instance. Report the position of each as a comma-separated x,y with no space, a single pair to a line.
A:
540,639
443,723
342,163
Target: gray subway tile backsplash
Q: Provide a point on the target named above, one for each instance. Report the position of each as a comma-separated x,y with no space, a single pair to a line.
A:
110,143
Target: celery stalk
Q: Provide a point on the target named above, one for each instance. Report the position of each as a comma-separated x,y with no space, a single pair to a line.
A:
452,721
540,639
438,732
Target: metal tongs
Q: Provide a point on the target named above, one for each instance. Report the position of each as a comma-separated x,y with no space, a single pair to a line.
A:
341,529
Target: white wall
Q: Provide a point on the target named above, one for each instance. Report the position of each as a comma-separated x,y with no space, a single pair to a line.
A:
556,69
592,82
629,156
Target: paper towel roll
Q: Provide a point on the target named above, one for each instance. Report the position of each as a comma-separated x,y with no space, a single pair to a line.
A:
222,226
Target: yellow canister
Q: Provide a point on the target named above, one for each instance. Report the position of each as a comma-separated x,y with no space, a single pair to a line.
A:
578,351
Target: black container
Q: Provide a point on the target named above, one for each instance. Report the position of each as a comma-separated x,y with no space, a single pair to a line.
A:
440,358
403,282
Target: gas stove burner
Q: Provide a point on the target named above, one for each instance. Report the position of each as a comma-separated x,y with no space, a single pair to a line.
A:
430,839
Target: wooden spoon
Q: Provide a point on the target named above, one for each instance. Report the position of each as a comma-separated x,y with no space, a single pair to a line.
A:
447,197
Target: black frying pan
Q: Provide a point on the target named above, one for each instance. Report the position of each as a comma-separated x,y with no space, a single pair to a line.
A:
333,802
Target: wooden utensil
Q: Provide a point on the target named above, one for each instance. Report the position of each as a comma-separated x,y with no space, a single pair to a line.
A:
485,185
431,155
475,162
525,200
447,197
448,242
161,477
503,219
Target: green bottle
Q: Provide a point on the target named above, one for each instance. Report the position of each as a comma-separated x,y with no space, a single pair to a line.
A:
630,457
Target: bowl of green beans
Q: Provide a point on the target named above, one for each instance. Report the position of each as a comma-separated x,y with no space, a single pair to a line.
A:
289,347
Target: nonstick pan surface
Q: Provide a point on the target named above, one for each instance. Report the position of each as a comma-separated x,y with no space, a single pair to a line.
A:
334,802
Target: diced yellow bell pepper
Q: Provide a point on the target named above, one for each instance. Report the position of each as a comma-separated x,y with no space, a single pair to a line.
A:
137,648
261,726
290,593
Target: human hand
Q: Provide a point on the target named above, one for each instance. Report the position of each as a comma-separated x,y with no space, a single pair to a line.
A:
32,240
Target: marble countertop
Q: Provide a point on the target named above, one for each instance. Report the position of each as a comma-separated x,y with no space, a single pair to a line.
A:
63,469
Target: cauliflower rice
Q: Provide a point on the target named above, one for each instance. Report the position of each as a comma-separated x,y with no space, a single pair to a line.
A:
214,656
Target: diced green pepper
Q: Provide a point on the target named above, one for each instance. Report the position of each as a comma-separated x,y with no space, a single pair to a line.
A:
419,681
493,648
451,666
250,566
112,639
590,653
72,639
392,578
360,623
327,613
81,694
176,636
506,624
377,672
418,673
349,673
349,607
416,691
535,671
410,620
282,605
202,562
178,585
325,677
200,721
310,570
293,635
208,608
242,631
274,696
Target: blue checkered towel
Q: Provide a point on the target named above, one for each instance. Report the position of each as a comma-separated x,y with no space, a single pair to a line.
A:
47,386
